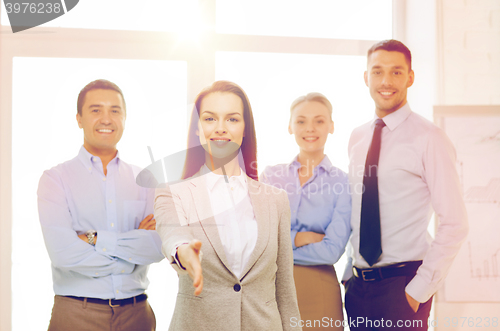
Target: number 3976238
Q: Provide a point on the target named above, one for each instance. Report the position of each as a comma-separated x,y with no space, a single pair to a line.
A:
33,8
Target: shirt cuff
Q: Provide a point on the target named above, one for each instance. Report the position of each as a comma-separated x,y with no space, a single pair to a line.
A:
106,242
293,233
174,255
419,290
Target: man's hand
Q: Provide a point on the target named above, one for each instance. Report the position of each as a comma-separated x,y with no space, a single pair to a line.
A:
414,304
86,239
308,237
189,256
149,223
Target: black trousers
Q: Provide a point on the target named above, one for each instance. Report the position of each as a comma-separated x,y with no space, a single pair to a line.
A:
382,305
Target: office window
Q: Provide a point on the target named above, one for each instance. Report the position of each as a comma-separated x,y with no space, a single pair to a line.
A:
273,81
337,19
46,81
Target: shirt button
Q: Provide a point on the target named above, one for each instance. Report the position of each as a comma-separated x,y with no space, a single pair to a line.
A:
123,271
237,287
112,224
109,200
90,168
232,188
130,259
104,179
96,273
104,249
117,291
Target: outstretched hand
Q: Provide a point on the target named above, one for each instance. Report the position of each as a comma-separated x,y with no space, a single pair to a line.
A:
189,257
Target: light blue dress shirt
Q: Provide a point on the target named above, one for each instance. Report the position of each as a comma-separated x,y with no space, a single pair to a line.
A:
322,205
75,197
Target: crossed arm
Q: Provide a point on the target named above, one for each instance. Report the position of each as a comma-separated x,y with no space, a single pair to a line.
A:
313,248
149,223
114,253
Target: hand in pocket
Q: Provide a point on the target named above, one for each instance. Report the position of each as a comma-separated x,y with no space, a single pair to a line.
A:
414,304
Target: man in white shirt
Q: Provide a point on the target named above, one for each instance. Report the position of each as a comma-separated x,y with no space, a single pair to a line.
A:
402,168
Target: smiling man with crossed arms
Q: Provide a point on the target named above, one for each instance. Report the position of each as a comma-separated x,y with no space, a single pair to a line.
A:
98,225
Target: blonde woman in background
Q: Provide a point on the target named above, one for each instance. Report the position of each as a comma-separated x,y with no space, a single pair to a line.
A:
320,212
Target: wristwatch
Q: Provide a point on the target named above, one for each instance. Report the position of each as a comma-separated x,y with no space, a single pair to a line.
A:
91,234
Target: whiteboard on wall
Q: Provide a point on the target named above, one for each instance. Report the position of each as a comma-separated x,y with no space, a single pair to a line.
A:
475,133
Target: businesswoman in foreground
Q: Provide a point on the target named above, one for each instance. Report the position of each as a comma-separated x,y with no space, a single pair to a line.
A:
240,226
320,212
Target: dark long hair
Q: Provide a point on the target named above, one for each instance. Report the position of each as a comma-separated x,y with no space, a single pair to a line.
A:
195,157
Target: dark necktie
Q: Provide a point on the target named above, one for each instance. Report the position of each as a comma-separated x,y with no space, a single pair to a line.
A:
370,246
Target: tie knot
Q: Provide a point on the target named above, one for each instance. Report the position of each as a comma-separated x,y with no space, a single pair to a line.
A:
380,123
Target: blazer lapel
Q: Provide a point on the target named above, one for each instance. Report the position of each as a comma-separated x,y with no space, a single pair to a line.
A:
205,215
260,206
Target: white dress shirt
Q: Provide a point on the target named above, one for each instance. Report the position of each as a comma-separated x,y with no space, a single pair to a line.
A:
234,216
233,213
416,176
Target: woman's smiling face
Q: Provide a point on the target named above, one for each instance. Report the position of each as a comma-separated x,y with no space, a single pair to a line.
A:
311,124
221,126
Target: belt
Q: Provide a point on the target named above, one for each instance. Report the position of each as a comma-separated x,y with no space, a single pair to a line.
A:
113,302
393,270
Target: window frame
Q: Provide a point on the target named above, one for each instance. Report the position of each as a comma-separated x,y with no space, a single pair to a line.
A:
136,45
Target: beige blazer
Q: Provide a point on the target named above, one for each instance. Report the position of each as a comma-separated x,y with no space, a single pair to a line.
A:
264,298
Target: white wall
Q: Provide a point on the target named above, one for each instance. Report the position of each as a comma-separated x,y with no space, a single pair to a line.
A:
470,52
468,72
455,47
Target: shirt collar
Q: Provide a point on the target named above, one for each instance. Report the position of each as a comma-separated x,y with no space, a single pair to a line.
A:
88,159
212,179
295,163
395,118
325,164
